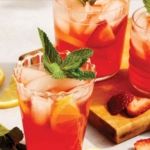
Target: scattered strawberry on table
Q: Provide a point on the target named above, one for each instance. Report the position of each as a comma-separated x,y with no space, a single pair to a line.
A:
119,102
127,102
143,144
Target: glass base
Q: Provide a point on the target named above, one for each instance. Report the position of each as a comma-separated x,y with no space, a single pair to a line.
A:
105,77
141,91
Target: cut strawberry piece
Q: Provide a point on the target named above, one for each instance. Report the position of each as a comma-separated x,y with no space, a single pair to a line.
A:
143,144
138,106
119,102
101,36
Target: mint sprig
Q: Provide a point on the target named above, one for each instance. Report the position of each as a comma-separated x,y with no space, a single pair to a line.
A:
75,56
147,5
48,48
70,66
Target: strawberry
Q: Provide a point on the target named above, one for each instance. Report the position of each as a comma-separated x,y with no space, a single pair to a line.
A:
119,102
143,144
101,36
138,106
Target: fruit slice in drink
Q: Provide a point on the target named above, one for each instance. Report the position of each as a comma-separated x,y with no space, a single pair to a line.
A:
67,121
102,35
64,115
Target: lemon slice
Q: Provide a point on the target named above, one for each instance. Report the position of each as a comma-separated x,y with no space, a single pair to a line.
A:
65,115
9,96
2,76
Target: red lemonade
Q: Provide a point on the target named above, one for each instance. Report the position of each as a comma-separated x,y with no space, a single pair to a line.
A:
54,111
100,26
139,70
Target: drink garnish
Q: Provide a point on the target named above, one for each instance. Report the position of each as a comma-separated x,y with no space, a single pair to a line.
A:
91,2
147,5
65,68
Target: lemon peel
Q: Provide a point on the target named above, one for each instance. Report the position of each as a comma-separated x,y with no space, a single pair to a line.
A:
8,98
2,76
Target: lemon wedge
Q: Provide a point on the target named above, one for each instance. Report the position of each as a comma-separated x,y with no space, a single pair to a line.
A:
65,115
2,76
8,98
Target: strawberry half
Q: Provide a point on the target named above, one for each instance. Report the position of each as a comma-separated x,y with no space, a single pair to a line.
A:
138,106
101,36
143,144
119,102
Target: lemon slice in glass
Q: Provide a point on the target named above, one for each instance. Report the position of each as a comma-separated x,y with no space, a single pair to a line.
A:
8,98
2,76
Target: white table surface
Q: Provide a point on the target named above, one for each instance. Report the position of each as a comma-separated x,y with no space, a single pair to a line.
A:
19,20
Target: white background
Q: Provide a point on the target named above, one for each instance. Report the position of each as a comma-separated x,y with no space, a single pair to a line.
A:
19,20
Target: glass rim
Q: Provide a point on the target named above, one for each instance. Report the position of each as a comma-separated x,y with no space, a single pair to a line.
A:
48,93
135,22
95,12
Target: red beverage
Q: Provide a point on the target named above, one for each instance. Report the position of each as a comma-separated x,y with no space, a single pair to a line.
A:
54,111
100,26
139,69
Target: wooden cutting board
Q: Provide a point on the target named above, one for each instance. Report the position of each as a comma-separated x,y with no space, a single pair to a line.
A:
120,127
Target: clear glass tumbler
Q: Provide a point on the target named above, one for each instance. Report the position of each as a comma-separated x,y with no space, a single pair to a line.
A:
54,111
100,26
139,70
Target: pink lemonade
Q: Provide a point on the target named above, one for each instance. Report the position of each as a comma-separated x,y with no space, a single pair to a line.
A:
139,70
54,111
100,26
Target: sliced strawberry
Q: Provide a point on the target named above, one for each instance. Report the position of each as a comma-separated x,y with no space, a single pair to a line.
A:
143,144
101,36
138,106
119,102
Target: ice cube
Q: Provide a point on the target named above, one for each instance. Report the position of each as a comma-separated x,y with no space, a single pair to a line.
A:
42,84
137,42
67,84
144,22
24,94
61,18
77,11
92,24
29,74
102,2
47,83
84,92
40,109
113,12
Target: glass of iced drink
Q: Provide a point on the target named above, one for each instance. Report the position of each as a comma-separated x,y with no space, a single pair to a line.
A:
54,111
98,24
139,70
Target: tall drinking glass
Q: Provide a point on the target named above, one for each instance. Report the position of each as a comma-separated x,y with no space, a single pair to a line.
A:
139,70
100,26
54,111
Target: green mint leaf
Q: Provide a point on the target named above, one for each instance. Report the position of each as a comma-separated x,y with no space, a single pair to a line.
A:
80,75
55,70
49,50
147,5
76,59
70,66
